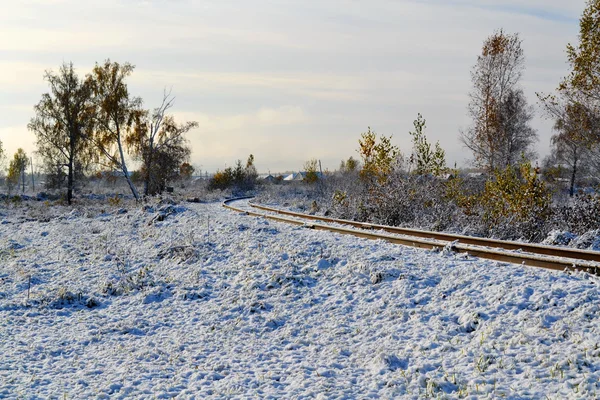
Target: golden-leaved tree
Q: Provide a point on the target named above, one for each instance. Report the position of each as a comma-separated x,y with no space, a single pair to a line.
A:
378,157
575,107
62,120
500,132
116,115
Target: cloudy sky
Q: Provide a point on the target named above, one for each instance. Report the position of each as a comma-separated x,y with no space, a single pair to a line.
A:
286,80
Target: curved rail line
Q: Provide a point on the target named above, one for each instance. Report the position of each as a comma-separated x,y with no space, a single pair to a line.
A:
541,256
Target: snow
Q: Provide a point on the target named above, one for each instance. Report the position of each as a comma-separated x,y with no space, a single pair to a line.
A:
589,240
195,301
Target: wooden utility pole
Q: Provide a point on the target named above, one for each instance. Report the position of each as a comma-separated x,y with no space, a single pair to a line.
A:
23,176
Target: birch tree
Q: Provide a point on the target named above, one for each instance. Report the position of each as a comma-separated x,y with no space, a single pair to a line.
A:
575,106
62,118
500,131
583,83
160,144
570,145
116,115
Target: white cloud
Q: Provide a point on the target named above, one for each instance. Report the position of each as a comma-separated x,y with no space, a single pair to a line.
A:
346,64
265,116
318,85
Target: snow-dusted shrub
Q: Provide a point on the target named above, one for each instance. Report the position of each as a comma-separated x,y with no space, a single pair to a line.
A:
379,157
126,283
64,297
513,204
559,238
589,240
294,195
405,199
515,192
581,214
510,204
240,177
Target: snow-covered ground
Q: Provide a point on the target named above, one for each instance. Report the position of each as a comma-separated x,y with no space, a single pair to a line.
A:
194,301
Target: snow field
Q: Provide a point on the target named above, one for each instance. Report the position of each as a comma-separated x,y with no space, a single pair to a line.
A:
194,301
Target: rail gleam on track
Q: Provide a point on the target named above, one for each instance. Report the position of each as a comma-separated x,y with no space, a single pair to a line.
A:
534,255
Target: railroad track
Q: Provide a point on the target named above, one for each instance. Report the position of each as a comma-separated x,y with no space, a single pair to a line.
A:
549,257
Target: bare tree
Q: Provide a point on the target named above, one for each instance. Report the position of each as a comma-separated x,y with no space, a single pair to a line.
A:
62,117
500,131
160,143
116,114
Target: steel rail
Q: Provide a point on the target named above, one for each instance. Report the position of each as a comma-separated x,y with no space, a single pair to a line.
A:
554,251
546,261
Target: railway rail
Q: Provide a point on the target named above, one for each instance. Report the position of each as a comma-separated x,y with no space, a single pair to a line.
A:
534,255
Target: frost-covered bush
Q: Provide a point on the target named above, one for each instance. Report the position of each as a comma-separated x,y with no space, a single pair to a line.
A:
64,298
408,200
127,283
239,177
516,204
512,204
580,215
298,196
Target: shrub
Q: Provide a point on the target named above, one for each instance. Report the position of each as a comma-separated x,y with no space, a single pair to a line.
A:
310,167
426,160
580,215
240,178
378,158
518,200
513,203
221,180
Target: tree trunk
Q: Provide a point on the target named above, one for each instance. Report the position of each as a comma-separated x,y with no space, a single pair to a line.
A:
124,169
70,181
148,169
573,173
146,182
70,173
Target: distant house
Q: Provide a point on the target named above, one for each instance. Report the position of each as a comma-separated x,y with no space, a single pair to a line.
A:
295,177
269,179
299,176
